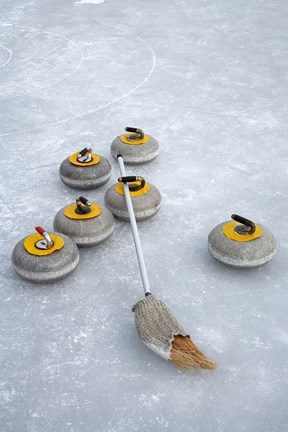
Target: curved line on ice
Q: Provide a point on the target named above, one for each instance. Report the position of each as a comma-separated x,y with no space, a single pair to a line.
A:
57,81
116,99
10,55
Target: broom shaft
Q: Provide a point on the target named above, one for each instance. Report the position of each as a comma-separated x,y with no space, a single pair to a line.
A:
137,243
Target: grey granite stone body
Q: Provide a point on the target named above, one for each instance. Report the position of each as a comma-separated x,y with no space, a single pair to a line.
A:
156,325
89,177
47,268
87,232
145,206
135,154
241,254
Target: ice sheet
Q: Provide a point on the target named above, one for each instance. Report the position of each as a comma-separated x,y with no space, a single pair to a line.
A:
208,79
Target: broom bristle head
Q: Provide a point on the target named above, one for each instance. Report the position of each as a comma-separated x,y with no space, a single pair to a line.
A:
185,354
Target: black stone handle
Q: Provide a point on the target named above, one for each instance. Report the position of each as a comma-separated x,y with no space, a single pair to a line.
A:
83,152
136,131
83,205
133,187
84,200
246,222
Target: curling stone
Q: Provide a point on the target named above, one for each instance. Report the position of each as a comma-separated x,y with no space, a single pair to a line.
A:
45,258
241,243
88,224
85,170
146,199
135,147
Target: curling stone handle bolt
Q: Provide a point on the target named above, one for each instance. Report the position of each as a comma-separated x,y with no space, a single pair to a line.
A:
135,130
41,231
133,188
246,222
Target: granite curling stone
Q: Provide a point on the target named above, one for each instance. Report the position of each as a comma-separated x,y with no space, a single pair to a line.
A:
88,224
135,147
44,258
85,170
241,243
146,199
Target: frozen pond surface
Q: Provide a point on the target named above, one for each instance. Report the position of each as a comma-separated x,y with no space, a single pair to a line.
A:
209,80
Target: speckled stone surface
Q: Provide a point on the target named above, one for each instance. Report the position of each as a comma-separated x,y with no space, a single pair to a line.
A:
135,154
48,268
145,206
241,254
89,177
88,232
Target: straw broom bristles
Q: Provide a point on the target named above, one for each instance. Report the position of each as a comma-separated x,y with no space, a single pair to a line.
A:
185,354
161,332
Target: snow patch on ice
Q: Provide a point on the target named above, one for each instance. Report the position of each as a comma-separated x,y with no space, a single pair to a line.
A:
148,400
6,396
282,336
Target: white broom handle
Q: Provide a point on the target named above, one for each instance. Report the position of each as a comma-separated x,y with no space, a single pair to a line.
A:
137,243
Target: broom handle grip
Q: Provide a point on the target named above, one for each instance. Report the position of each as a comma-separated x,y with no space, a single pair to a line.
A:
137,243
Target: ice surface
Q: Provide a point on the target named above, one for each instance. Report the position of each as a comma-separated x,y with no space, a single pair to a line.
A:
208,79
90,1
